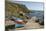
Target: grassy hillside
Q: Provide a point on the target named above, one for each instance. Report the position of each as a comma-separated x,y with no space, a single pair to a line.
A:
14,9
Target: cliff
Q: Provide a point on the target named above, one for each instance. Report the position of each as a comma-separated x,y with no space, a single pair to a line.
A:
14,9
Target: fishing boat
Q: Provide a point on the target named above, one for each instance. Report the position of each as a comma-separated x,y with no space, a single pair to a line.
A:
19,22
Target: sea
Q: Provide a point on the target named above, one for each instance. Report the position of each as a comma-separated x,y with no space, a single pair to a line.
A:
39,14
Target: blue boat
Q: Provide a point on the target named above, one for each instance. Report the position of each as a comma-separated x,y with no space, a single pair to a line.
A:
19,25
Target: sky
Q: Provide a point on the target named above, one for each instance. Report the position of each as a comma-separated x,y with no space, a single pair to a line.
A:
31,5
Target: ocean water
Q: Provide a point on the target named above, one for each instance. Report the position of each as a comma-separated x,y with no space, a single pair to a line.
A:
38,14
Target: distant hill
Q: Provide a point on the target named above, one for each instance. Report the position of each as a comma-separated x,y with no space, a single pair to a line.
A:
32,11
14,9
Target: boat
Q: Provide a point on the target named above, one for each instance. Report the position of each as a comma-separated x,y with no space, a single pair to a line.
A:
19,22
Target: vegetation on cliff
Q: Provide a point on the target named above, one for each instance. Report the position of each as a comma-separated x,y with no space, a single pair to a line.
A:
15,9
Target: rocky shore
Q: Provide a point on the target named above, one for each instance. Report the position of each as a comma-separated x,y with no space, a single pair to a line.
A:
31,24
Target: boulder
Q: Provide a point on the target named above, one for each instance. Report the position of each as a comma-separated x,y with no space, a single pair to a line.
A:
41,22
